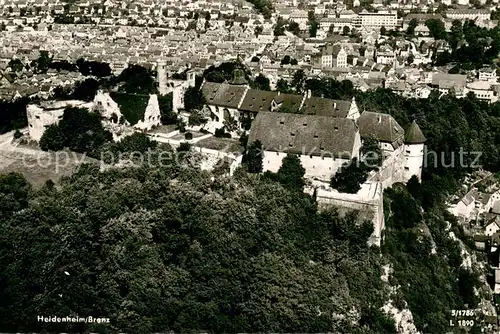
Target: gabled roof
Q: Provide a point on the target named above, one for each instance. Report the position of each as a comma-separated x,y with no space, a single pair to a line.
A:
304,134
257,100
470,197
413,135
289,101
326,107
383,126
222,94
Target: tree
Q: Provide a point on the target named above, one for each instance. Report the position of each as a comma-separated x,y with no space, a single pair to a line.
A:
411,27
371,153
43,62
79,130
279,29
136,142
18,134
346,30
291,173
299,80
331,29
136,79
293,27
165,103
16,65
258,30
313,24
196,119
436,28
262,82
255,157
286,60
350,177
410,59
184,147
53,138
282,86
193,99
86,90
255,59
456,34
383,31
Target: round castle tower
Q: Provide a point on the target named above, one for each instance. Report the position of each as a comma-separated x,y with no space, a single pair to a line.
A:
414,152
162,77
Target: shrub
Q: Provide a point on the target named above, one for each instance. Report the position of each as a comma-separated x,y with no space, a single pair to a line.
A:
184,147
18,134
219,133
181,125
196,119
188,136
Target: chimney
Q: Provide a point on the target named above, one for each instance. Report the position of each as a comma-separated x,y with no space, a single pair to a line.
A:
279,93
380,118
308,93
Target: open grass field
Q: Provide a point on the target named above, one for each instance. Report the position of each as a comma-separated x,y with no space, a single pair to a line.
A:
222,144
39,168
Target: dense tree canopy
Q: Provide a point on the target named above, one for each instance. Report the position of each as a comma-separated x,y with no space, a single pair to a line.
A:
13,115
193,99
79,130
136,79
160,249
94,68
471,46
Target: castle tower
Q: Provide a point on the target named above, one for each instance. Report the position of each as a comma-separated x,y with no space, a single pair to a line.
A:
414,152
191,78
162,77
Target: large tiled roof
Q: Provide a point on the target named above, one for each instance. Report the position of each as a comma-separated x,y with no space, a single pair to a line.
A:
222,94
326,107
383,126
257,100
304,134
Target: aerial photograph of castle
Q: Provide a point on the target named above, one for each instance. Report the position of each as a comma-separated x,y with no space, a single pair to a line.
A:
250,166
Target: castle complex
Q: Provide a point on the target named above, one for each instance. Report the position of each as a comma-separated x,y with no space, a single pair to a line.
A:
324,133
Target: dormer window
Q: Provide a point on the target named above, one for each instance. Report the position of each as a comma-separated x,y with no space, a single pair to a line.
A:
292,134
304,124
316,136
290,145
336,128
282,122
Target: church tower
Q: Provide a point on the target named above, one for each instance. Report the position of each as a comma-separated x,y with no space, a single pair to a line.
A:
414,152
162,77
